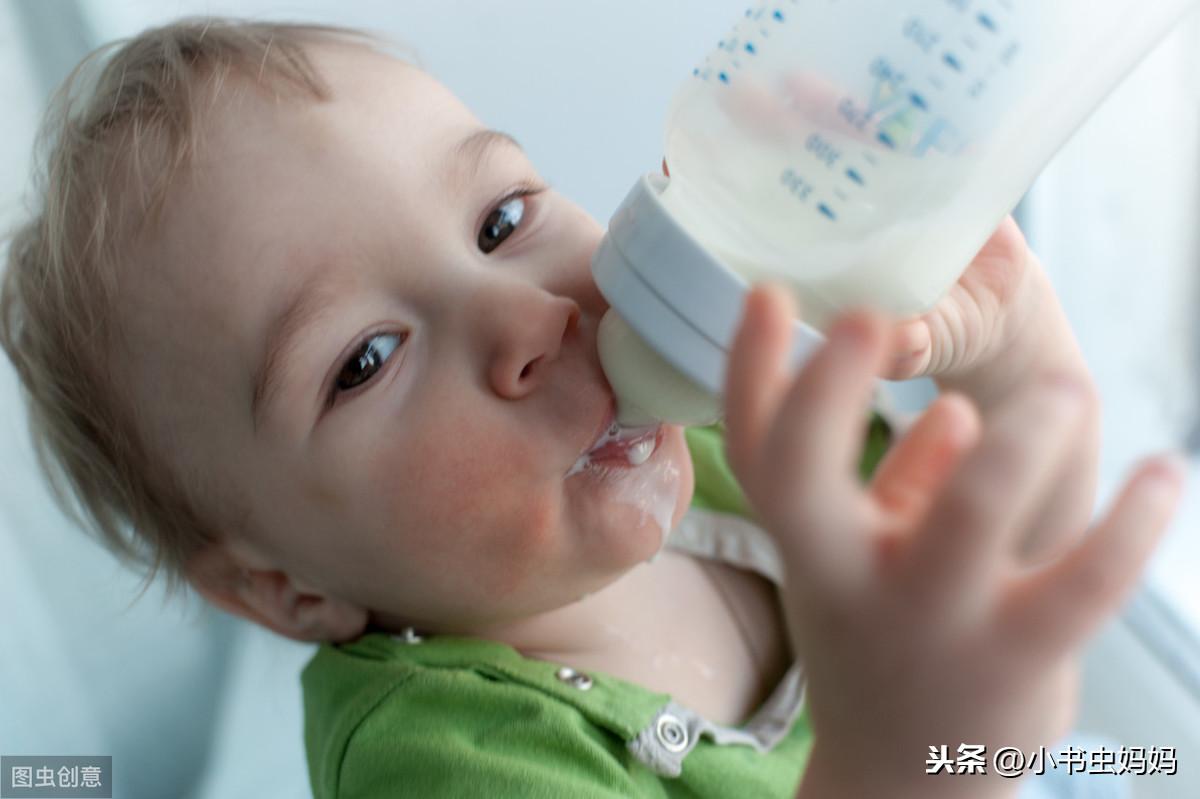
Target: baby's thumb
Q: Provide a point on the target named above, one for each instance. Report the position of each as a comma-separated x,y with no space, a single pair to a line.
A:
912,351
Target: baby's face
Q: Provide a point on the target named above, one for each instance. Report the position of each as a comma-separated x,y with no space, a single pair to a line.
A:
415,450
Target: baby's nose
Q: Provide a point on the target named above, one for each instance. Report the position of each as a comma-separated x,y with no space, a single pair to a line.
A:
529,336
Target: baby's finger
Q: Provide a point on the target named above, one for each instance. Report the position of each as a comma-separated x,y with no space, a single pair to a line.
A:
1056,608
994,494
816,440
911,350
757,371
1064,518
809,486
911,474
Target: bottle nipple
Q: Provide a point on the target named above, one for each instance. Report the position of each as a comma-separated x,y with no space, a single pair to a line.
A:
648,388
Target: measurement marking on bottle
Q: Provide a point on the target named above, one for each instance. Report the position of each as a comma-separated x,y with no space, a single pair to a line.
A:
950,60
827,211
918,101
886,140
987,22
854,175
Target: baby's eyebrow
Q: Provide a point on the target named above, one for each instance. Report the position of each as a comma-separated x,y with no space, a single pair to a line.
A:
307,304
304,307
472,150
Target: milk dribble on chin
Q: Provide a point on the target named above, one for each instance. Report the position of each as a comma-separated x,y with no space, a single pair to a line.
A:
654,493
651,487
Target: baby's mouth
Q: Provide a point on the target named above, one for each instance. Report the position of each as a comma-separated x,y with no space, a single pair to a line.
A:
621,447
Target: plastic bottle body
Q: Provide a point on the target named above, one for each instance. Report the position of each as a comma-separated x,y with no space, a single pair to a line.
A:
863,151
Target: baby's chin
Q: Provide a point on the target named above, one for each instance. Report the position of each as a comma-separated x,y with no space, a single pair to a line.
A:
624,511
662,491
687,477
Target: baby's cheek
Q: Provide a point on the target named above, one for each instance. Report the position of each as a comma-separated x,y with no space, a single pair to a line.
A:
525,545
477,510
513,518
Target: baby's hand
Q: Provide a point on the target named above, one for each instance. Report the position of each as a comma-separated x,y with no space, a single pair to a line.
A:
997,330
917,625
980,316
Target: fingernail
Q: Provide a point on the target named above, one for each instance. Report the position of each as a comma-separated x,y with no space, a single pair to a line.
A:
907,358
780,291
911,336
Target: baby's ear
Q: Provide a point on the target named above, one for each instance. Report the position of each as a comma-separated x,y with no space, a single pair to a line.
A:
270,597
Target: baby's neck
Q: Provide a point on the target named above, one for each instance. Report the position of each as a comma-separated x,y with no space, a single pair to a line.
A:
598,623
594,623
569,629
710,635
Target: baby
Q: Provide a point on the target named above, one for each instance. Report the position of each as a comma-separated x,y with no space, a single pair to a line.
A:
297,330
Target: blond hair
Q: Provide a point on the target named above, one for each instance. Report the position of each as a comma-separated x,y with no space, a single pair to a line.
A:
115,136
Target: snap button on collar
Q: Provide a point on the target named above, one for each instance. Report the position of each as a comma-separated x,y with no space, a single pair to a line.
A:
409,636
671,733
576,679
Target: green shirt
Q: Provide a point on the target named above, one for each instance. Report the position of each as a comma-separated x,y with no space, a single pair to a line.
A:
442,716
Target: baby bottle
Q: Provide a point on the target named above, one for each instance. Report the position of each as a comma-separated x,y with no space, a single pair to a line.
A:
860,151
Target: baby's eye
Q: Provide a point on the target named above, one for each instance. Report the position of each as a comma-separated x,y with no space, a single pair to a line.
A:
367,360
502,222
